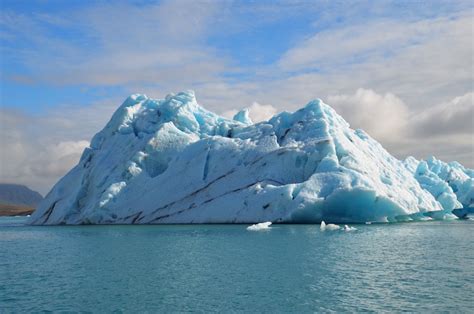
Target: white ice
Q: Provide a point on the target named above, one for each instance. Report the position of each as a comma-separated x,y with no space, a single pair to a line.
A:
450,183
325,226
349,228
260,226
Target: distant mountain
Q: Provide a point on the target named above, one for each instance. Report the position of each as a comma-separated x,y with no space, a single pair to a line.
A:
20,195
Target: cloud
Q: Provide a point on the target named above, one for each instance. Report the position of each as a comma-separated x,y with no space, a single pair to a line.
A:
372,41
450,118
54,160
260,112
382,116
38,149
257,112
40,167
347,45
445,130
169,46
160,43
422,61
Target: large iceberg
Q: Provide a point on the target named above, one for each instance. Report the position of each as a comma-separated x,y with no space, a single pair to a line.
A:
172,161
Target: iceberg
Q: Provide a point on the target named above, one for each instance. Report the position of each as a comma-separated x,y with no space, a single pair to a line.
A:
324,226
260,226
162,161
349,228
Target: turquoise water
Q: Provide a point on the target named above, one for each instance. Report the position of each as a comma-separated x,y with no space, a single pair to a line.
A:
290,268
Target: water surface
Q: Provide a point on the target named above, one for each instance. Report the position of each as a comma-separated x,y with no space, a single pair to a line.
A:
426,266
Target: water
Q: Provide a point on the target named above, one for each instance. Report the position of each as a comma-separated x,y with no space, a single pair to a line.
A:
421,267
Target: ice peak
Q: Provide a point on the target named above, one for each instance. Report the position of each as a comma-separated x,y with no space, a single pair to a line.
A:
243,116
316,105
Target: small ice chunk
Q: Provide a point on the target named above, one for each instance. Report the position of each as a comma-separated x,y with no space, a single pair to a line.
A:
332,227
325,226
260,226
349,228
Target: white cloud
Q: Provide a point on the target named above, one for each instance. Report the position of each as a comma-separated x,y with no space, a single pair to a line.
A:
120,44
424,61
37,150
54,160
382,116
165,47
335,47
373,41
31,158
257,112
445,130
260,112
453,117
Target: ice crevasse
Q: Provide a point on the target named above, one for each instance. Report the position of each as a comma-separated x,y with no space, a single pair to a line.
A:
172,161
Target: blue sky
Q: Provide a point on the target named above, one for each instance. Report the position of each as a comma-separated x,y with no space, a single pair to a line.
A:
66,65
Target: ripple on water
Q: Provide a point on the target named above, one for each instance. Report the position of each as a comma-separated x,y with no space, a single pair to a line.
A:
290,268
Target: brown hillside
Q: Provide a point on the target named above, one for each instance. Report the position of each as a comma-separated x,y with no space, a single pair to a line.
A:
15,210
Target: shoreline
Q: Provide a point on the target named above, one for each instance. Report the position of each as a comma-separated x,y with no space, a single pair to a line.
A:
15,210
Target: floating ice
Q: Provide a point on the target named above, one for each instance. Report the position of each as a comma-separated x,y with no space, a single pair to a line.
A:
325,226
349,228
172,161
260,226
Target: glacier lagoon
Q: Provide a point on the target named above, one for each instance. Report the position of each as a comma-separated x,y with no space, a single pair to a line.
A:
170,161
414,266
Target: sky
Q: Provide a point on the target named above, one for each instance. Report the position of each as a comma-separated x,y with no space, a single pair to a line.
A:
401,70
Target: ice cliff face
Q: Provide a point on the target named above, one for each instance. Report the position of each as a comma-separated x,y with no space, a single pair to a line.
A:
171,161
